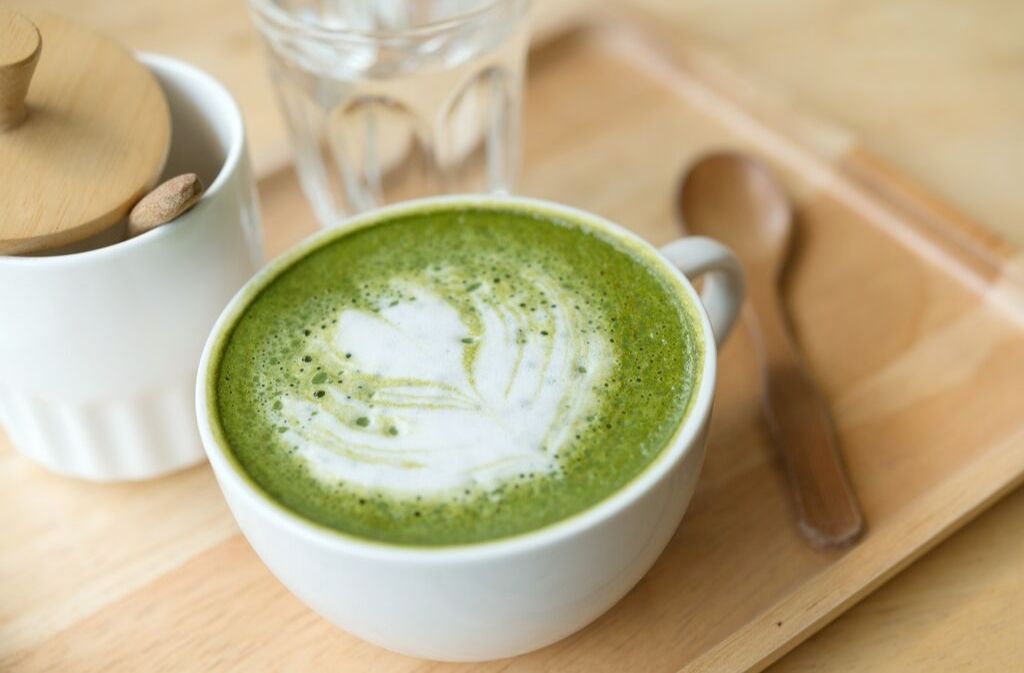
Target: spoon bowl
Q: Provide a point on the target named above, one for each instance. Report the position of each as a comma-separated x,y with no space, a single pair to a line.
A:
735,198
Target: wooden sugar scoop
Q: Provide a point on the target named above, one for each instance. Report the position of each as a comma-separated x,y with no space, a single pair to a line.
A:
165,203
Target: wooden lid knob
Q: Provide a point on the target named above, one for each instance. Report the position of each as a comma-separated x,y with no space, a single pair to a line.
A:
20,45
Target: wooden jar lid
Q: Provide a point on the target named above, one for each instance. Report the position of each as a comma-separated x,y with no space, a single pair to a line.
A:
88,141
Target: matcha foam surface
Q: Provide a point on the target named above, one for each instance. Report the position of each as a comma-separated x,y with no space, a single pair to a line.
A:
456,375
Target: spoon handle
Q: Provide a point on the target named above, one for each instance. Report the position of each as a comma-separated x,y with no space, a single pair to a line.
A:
802,428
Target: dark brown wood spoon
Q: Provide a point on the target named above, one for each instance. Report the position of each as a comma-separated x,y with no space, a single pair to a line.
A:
735,198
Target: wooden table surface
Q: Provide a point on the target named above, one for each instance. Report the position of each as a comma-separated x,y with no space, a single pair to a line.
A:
935,88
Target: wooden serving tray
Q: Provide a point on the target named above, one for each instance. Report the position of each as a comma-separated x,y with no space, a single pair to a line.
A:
911,318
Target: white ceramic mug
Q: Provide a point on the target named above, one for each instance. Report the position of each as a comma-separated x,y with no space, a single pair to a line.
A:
98,347
508,596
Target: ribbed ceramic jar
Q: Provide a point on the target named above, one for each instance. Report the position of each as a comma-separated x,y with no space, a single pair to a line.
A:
99,349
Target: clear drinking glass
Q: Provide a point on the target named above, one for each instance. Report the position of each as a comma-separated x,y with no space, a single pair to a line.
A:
392,99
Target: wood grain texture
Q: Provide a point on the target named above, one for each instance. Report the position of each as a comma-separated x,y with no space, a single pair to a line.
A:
95,140
970,623
931,88
919,356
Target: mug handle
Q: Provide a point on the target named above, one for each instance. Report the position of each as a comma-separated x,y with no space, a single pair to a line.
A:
722,295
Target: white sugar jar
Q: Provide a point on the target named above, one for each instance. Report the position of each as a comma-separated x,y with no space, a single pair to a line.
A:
99,348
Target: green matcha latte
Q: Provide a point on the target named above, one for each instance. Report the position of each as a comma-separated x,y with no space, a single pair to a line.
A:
456,374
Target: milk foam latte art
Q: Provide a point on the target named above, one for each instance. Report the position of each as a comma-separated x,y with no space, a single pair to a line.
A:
452,376
461,397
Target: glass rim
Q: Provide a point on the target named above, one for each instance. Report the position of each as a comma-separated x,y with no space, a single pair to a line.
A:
268,10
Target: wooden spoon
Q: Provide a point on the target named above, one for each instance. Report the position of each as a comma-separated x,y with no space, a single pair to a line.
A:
736,199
